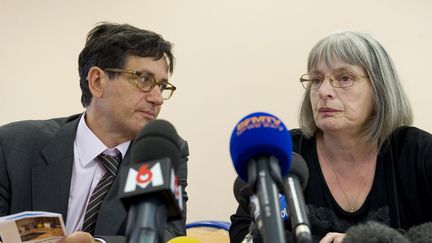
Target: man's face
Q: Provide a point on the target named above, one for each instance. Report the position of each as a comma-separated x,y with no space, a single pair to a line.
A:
125,108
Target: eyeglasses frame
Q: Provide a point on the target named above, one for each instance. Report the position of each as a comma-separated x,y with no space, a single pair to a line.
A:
138,74
303,81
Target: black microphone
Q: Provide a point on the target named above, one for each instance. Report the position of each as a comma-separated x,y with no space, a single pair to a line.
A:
242,192
245,196
373,232
420,233
149,186
297,179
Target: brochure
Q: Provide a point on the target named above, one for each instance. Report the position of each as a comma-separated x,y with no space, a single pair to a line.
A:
32,227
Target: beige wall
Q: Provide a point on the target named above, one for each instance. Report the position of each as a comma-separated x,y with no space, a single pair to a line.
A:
234,57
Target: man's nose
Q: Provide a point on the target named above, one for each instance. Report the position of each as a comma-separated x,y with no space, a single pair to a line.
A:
155,96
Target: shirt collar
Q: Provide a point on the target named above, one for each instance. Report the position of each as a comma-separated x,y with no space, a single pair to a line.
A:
90,146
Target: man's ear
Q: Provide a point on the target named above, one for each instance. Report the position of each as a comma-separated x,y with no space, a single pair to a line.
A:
96,79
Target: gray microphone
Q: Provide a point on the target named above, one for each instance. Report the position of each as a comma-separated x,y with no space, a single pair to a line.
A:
296,180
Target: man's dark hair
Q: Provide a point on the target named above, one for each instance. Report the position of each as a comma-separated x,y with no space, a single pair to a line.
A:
109,44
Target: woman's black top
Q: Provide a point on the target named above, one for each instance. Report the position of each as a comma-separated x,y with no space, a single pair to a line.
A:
400,197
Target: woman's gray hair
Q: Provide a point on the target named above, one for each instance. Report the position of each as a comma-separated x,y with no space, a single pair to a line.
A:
391,106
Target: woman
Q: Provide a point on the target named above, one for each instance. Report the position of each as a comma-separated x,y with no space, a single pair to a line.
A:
365,162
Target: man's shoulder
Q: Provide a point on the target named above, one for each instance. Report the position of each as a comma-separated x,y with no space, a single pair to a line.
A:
34,128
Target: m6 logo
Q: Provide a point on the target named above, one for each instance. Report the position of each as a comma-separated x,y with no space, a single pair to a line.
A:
143,177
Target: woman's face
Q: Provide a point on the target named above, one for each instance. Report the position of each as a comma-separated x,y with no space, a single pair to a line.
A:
341,109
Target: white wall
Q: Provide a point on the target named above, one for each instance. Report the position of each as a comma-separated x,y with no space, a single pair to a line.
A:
234,57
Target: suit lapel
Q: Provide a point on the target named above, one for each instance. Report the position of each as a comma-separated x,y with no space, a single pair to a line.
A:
51,181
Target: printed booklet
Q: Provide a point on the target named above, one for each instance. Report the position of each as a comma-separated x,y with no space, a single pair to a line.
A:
32,227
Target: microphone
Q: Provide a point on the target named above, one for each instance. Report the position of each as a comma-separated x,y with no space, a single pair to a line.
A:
297,180
260,149
184,239
373,232
420,233
149,185
242,191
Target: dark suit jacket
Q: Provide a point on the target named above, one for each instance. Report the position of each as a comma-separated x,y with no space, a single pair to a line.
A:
36,160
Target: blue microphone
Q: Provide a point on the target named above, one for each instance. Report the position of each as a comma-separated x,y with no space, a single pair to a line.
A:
261,150
259,134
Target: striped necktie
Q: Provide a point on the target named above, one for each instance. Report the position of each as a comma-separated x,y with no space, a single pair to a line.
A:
111,164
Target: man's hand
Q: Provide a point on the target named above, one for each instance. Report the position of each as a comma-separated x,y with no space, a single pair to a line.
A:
78,237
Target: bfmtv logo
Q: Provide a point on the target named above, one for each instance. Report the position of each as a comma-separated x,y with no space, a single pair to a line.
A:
150,175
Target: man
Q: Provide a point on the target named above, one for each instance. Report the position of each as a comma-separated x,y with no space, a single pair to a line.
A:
55,165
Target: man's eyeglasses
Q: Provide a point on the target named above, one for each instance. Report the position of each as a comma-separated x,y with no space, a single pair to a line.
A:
312,81
146,82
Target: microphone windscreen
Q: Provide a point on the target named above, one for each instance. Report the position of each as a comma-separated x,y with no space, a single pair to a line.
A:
152,175
260,134
373,232
238,189
158,139
420,233
299,168
184,239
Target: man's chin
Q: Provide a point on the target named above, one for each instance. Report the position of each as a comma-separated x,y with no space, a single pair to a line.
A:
141,125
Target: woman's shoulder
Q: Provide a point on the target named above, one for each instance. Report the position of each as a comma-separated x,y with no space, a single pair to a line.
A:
410,144
300,141
411,136
297,133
